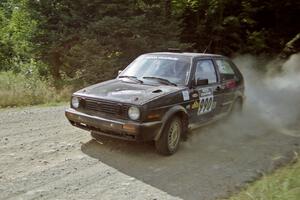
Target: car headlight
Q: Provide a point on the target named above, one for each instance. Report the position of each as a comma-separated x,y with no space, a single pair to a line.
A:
75,102
134,113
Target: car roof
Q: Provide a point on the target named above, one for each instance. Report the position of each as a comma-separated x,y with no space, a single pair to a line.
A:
187,54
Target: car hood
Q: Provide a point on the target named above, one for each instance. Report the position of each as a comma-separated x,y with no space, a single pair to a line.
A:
126,92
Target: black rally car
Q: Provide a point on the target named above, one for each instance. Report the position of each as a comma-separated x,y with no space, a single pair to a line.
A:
159,96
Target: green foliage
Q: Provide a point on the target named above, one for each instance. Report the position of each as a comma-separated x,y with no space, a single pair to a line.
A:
91,41
229,26
18,89
16,31
67,42
284,184
256,42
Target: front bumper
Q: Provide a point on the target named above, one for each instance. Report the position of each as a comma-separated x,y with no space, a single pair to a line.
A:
116,128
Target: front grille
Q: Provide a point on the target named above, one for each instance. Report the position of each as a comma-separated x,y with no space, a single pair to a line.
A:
112,108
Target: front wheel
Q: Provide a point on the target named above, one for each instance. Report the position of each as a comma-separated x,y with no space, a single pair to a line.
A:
168,142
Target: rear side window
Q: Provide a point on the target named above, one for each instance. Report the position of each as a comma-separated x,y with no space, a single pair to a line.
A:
225,69
205,70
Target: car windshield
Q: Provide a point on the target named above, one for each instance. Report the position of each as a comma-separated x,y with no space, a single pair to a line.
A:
165,69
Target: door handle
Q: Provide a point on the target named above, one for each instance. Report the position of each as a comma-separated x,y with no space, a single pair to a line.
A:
218,88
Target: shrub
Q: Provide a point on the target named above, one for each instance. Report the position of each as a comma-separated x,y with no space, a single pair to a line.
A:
21,89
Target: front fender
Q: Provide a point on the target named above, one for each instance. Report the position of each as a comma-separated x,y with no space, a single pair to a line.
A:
178,109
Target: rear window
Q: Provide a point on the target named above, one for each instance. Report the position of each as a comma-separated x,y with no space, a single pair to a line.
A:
225,69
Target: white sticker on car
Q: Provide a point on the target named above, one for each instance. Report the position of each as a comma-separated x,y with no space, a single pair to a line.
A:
205,104
205,91
206,101
161,57
186,95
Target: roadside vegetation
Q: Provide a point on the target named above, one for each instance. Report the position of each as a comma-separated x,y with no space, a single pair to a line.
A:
50,48
71,44
23,90
283,184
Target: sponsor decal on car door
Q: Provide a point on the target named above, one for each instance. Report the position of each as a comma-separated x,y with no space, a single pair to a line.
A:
206,101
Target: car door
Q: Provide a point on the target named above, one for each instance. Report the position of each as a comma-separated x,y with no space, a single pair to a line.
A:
206,96
228,80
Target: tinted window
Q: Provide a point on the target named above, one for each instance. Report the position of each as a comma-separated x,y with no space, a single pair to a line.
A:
225,69
205,70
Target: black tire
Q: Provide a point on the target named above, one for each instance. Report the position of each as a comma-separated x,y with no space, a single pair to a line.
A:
169,140
237,107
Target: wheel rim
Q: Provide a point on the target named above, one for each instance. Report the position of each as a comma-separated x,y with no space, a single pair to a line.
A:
174,134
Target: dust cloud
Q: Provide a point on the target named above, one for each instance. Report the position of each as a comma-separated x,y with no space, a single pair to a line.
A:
271,104
272,97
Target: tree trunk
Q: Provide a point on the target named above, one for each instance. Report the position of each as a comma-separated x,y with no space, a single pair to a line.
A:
293,46
168,9
55,65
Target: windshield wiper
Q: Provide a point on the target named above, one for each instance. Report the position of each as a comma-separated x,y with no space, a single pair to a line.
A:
132,78
162,80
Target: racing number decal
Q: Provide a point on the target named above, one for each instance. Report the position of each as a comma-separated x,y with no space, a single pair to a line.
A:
206,104
206,101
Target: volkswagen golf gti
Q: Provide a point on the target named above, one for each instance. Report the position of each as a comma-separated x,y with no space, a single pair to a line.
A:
159,97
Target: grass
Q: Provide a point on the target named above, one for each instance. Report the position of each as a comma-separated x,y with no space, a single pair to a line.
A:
21,90
283,184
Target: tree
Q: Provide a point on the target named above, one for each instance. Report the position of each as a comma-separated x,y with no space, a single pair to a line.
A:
91,40
247,26
16,30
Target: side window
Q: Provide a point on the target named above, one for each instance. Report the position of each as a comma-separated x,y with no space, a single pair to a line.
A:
225,69
205,70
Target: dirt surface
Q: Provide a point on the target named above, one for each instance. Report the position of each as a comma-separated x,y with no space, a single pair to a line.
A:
43,157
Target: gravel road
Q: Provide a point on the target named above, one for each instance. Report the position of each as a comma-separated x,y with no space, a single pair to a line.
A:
43,157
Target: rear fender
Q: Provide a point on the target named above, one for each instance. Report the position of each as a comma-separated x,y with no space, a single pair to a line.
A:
239,96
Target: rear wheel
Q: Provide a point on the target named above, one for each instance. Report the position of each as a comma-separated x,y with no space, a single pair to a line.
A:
168,142
237,107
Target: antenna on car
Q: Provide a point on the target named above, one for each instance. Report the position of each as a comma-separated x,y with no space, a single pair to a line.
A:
208,46
175,50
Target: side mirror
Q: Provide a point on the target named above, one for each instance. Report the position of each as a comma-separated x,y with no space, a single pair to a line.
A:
200,82
119,72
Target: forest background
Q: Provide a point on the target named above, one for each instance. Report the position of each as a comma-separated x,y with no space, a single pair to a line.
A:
50,48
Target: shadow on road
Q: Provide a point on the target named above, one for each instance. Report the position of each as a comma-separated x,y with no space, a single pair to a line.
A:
212,163
222,157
